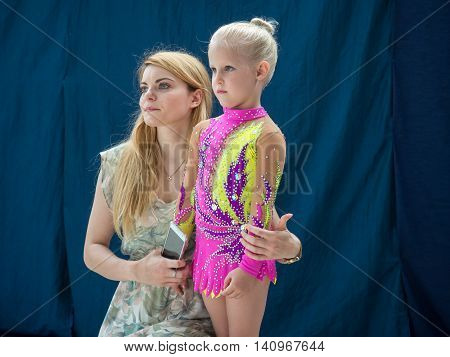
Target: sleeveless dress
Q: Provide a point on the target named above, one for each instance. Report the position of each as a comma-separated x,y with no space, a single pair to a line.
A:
232,176
143,310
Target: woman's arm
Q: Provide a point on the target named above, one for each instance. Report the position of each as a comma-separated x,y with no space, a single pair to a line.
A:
153,269
278,244
97,255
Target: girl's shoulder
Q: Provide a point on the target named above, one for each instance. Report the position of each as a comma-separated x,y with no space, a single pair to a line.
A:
270,128
197,130
202,125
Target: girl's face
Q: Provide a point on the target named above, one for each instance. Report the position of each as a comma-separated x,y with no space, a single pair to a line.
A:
165,99
233,79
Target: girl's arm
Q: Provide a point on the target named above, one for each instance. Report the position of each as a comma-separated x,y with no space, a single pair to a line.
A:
270,159
184,216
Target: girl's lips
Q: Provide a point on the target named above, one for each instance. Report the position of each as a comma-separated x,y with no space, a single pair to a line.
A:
150,109
221,91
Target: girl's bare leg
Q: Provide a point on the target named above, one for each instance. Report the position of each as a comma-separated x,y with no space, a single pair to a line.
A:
245,314
217,310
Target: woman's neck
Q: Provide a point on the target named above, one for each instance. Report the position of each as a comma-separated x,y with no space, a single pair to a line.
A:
173,142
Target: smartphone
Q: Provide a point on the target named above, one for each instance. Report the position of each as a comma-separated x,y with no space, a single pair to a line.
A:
175,243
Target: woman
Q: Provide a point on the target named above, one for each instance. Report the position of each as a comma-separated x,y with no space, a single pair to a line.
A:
135,196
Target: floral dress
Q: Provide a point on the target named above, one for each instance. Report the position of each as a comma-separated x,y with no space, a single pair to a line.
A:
138,309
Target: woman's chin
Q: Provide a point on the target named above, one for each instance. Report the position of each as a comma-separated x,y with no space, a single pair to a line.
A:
151,121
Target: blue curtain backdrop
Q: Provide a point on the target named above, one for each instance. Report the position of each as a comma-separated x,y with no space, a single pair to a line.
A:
68,90
422,161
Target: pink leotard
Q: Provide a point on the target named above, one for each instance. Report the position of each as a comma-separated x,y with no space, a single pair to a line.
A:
232,176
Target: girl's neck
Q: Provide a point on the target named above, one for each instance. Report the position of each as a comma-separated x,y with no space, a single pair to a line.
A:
249,104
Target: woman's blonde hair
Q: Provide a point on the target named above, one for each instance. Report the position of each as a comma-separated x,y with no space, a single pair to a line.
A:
137,174
253,39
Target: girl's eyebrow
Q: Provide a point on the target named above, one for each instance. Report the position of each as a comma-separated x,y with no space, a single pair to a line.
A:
225,65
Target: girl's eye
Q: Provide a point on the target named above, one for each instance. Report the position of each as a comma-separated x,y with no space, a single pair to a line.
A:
164,85
213,70
228,68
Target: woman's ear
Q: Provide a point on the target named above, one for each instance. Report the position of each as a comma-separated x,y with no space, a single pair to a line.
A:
262,70
197,97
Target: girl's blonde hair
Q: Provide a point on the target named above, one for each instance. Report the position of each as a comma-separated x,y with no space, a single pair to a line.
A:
254,39
137,174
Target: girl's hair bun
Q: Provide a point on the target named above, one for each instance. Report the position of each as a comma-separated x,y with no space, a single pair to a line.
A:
269,25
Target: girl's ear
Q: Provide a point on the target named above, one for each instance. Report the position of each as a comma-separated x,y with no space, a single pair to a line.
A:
197,97
262,70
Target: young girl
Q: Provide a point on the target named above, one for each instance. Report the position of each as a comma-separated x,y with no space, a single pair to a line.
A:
233,172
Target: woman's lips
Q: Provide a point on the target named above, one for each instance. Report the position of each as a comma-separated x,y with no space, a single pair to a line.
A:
150,109
221,91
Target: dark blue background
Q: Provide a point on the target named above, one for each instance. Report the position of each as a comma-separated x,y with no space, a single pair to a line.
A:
367,125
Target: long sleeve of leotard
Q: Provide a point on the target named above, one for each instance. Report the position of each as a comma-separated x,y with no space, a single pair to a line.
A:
184,216
270,160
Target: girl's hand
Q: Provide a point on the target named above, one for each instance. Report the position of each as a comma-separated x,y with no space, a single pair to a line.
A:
267,245
238,283
156,270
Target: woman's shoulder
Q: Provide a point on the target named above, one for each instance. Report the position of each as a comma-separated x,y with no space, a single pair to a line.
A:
113,151
110,159
113,154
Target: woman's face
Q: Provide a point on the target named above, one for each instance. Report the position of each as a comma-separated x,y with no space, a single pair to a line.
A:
165,99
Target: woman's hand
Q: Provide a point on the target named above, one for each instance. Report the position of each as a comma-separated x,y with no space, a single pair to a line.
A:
277,244
156,270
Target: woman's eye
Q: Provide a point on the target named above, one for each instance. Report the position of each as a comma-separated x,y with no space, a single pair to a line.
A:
143,89
213,70
164,85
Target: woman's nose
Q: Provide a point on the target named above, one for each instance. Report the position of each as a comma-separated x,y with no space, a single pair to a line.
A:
150,94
